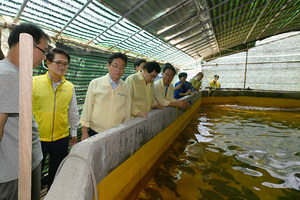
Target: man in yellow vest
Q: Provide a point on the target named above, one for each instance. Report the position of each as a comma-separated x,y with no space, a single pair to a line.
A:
142,89
214,83
55,110
164,89
107,101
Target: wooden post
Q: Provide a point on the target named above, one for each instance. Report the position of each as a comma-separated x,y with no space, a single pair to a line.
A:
25,115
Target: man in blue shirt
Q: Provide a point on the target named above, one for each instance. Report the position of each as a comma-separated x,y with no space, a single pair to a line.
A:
183,87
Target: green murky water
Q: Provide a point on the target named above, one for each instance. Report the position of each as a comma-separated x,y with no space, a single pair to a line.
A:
232,152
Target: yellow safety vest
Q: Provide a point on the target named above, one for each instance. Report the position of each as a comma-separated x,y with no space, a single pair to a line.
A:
212,84
50,108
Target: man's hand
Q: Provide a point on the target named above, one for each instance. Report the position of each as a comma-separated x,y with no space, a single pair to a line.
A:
183,104
158,107
73,141
142,115
188,92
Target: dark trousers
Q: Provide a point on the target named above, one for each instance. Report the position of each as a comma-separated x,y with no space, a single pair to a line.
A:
9,190
91,132
57,151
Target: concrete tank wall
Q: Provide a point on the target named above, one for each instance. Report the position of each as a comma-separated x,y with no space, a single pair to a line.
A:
104,152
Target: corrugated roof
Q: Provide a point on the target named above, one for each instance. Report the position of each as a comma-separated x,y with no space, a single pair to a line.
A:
176,31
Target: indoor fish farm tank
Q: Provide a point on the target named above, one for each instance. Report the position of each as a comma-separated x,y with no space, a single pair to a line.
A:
232,152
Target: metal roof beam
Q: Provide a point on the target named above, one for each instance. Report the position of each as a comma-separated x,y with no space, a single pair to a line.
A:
199,43
170,55
157,20
74,17
156,52
20,11
192,18
192,36
188,30
153,22
116,22
181,23
256,22
279,28
211,25
239,16
233,10
168,13
233,28
200,48
129,12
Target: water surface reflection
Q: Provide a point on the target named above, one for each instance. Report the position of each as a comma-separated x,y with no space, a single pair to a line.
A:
232,152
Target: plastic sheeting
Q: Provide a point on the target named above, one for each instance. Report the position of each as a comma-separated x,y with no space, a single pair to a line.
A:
182,32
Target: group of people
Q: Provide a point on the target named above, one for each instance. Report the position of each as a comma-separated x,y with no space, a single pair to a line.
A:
109,102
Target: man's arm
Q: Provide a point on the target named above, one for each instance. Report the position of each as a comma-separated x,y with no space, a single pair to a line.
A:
87,112
128,105
73,118
190,86
134,110
185,94
179,86
180,104
85,134
3,117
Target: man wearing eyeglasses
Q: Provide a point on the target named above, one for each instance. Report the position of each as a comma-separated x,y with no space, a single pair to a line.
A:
107,101
55,110
142,89
164,89
9,114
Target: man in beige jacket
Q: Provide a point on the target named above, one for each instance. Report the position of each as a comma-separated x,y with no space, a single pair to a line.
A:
142,88
164,89
107,102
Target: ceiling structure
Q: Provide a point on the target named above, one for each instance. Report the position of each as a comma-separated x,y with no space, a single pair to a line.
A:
182,32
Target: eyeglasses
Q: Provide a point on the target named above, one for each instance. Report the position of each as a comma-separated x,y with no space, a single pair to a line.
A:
168,75
153,76
44,52
117,67
60,64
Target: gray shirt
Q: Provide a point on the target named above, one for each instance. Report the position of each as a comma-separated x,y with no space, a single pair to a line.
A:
9,145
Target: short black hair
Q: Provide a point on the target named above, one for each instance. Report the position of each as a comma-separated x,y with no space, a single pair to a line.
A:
36,32
200,74
182,74
150,66
169,66
117,55
138,62
216,76
50,56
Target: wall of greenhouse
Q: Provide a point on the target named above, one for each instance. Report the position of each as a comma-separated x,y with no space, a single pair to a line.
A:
274,64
